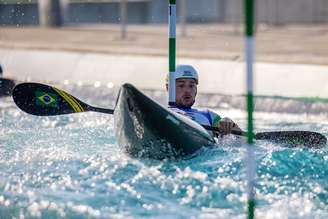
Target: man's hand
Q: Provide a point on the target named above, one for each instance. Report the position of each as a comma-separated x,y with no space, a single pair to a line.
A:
226,126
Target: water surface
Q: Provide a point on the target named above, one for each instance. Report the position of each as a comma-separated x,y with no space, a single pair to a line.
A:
71,167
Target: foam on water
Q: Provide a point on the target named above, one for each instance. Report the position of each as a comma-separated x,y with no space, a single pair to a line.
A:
70,166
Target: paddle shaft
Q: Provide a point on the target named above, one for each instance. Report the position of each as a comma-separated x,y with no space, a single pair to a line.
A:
43,100
210,128
293,138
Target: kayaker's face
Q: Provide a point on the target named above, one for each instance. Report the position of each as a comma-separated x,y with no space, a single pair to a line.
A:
186,90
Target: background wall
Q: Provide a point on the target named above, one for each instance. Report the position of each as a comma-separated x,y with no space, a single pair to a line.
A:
277,12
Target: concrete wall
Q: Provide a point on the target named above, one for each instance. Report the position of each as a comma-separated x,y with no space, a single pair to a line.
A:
16,14
155,11
292,11
281,11
158,11
88,68
138,12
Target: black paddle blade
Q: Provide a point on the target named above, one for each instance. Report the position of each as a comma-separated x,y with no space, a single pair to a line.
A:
294,138
6,87
43,100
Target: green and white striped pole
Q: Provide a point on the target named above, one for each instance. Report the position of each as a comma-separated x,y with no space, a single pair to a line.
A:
172,50
251,169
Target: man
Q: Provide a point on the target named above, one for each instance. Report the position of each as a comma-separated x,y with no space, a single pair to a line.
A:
186,90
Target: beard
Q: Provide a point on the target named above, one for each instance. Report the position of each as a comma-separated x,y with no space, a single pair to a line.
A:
185,102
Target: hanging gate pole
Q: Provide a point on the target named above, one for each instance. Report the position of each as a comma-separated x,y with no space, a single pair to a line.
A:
251,169
172,51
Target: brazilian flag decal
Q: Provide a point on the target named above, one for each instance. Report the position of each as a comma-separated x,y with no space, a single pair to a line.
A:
46,99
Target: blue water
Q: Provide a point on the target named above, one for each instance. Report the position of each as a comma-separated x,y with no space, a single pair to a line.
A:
71,167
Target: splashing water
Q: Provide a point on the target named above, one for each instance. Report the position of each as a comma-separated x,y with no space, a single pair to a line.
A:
70,166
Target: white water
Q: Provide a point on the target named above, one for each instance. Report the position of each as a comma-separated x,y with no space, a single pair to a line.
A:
71,167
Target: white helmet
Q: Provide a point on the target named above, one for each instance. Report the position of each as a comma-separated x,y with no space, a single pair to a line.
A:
185,71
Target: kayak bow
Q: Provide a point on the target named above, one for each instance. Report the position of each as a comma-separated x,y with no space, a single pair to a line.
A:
145,128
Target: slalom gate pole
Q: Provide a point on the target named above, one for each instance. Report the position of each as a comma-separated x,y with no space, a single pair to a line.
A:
249,53
172,51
